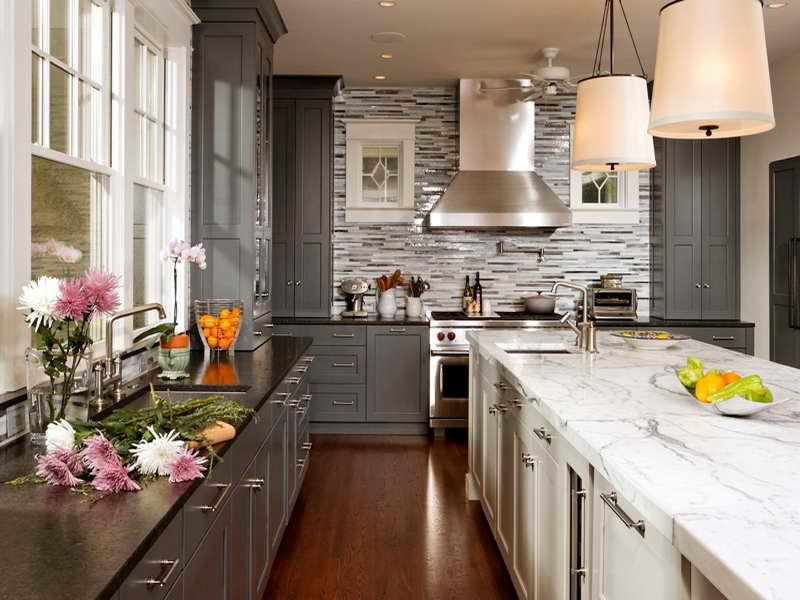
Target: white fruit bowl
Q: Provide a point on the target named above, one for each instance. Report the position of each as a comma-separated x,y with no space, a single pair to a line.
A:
650,340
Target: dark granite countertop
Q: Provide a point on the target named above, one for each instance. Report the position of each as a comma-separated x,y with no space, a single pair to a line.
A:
666,323
373,319
58,547
11,398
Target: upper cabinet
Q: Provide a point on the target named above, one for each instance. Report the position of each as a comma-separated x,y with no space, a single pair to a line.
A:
302,176
694,229
231,155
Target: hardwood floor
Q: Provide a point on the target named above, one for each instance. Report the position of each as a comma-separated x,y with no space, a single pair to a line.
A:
385,517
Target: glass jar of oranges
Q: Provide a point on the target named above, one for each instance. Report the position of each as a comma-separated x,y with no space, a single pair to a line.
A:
219,323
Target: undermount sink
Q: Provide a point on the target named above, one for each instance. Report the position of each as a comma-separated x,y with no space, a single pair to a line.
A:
534,348
186,395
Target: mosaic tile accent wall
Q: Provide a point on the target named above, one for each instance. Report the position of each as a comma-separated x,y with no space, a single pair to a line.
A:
580,253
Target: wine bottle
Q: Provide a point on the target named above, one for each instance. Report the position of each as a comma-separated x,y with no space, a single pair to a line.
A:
477,291
466,296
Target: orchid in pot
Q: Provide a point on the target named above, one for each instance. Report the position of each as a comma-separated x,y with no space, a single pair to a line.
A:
61,313
173,353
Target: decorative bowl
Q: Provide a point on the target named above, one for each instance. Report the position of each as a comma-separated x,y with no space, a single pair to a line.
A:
219,323
650,340
738,406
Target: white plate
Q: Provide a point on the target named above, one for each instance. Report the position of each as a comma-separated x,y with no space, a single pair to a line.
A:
652,343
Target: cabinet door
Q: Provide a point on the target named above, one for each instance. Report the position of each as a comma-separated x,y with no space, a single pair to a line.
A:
276,483
208,575
397,374
242,535
682,198
507,464
262,303
312,227
490,426
720,191
176,593
524,551
283,191
551,534
626,562
477,416
260,530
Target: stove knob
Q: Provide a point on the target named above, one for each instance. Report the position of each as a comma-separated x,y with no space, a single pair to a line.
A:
451,336
440,336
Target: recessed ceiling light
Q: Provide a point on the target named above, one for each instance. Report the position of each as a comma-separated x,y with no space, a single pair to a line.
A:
380,77
777,5
387,3
387,56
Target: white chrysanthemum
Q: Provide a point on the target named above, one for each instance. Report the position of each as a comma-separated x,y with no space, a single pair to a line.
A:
59,436
152,457
40,297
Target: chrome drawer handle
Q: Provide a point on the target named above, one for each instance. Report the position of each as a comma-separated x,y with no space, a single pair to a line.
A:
528,460
723,338
223,487
501,407
293,403
343,365
301,411
301,462
502,386
543,434
337,403
306,446
610,500
517,403
293,380
397,330
161,581
492,410
301,370
307,359
343,335
254,484
307,397
258,333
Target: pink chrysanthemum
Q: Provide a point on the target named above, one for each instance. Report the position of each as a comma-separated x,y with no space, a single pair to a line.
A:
70,458
101,290
99,453
54,471
73,302
187,466
114,478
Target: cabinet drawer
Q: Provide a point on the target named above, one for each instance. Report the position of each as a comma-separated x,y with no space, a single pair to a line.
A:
246,445
338,403
333,335
337,364
204,506
160,567
726,337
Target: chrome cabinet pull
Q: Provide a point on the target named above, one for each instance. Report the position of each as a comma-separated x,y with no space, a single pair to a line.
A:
301,463
307,445
293,403
293,380
698,285
290,282
493,410
501,407
610,500
502,386
343,335
338,403
707,286
307,359
543,434
307,397
349,365
517,403
301,370
254,484
581,571
162,580
299,282
397,330
723,338
528,460
223,492
258,333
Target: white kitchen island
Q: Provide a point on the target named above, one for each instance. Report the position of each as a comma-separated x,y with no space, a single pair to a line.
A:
699,497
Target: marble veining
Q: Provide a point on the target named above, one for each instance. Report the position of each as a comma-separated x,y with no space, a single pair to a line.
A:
725,491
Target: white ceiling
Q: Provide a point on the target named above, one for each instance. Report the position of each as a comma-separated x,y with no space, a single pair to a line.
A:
452,39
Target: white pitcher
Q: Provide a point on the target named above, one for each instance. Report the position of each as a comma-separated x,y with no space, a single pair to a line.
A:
387,303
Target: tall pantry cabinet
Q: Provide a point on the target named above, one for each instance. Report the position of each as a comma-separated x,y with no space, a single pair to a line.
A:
231,155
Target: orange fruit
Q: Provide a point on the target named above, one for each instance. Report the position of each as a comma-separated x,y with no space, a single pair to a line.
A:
228,333
708,385
224,313
225,324
224,344
212,342
206,333
730,377
236,312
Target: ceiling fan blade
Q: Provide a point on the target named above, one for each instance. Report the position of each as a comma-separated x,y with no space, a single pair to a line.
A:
531,76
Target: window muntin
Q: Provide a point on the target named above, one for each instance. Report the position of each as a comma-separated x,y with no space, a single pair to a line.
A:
149,109
148,269
599,188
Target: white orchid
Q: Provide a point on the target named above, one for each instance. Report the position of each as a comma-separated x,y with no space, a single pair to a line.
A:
39,297
59,436
152,457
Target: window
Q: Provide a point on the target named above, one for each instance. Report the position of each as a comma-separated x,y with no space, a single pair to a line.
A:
148,269
380,171
149,109
597,197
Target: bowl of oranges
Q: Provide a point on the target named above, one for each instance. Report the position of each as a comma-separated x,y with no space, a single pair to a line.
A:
650,340
219,323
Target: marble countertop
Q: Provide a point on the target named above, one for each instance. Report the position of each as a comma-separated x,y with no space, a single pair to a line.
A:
725,491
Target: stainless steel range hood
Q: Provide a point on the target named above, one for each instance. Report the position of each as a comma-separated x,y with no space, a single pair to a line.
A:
496,187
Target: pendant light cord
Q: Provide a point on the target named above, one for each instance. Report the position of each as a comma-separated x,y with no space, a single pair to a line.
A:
607,25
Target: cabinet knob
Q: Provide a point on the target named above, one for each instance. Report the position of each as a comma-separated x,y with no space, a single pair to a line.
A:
299,282
290,282
528,460
698,285
707,286
543,434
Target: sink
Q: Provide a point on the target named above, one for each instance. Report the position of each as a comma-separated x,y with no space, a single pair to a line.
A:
543,348
185,395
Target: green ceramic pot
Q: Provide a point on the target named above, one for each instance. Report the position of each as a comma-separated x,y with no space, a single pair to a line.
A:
173,362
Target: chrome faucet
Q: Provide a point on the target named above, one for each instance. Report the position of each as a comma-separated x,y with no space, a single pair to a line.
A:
109,371
587,335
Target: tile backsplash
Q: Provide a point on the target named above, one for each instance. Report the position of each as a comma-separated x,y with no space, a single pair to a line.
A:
580,253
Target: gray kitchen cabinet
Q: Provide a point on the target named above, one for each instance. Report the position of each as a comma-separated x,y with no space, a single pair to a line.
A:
176,593
338,403
277,472
695,229
207,576
302,190
231,196
151,578
339,364
397,374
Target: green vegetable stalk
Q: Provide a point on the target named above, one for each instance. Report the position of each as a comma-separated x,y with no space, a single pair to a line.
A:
750,388
691,373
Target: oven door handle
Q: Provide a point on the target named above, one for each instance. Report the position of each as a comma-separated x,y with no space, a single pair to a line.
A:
439,353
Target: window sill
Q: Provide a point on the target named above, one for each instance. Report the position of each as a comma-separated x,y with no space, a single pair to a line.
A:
601,216
379,215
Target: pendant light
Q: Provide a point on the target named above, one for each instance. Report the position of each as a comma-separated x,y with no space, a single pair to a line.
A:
612,112
712,74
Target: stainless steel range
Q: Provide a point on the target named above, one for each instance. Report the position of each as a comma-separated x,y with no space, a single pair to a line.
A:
450,358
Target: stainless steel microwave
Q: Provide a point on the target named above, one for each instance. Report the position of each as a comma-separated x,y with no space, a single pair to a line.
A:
613,303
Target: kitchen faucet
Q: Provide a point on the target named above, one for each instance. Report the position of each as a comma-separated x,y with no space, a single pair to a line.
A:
587,335
109,371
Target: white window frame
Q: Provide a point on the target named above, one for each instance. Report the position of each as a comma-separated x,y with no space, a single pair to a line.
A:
156,116
624,212
391,133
